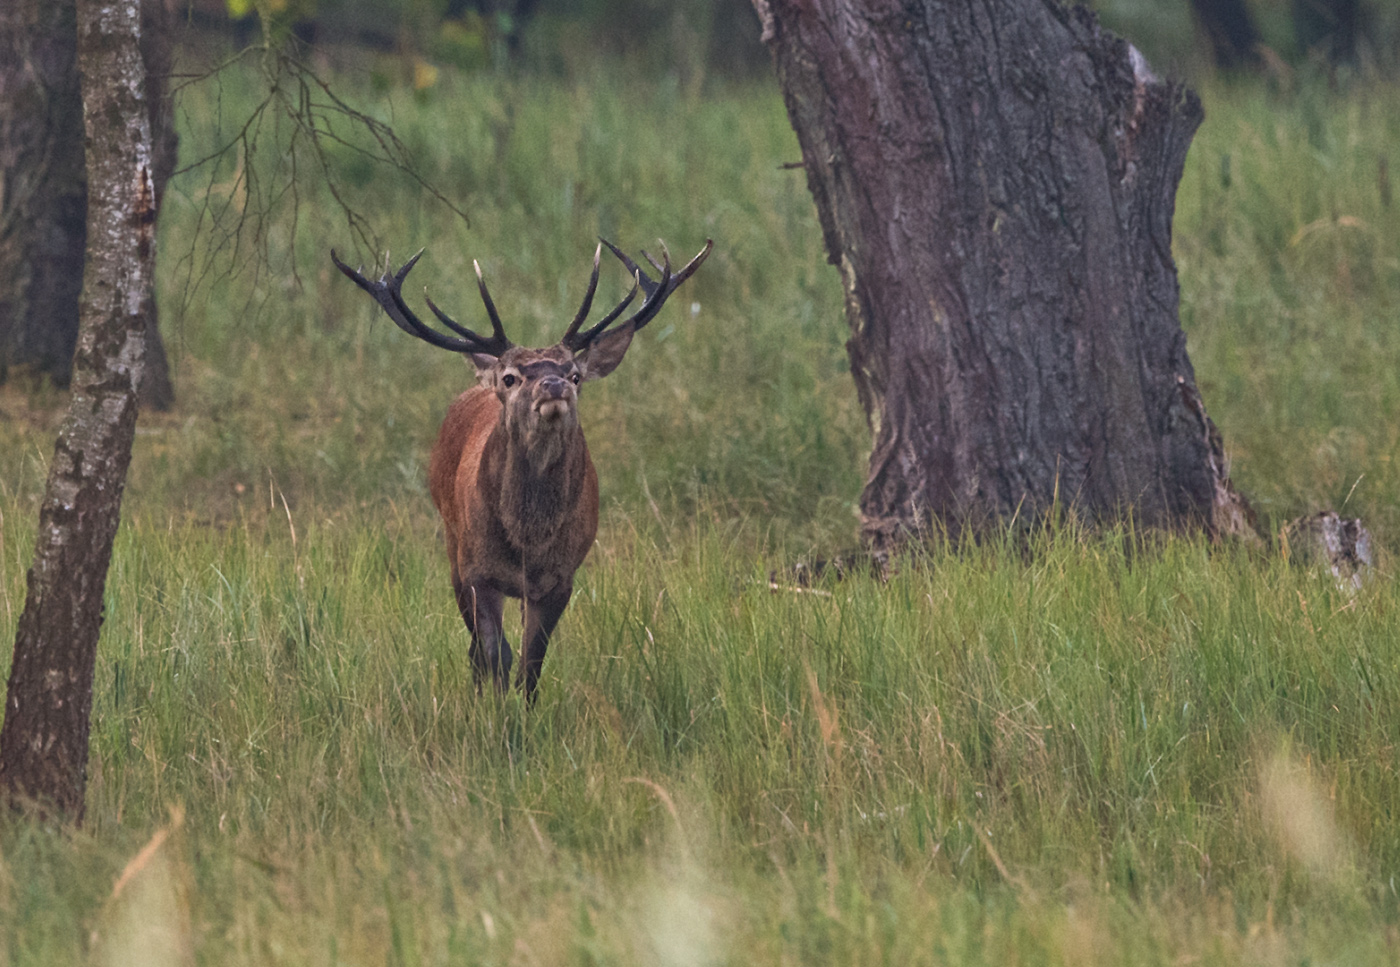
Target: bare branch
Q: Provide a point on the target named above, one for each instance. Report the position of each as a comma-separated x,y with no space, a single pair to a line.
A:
251,180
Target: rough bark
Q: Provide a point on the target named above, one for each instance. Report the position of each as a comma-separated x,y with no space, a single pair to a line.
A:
1343,544
43,189
44,740
996,183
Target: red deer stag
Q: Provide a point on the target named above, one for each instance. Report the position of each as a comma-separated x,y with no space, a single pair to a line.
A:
510,472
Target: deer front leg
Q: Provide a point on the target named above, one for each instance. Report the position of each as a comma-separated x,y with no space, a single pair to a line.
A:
541,615
482,608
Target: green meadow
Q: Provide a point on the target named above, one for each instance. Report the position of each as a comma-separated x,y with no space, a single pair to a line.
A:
1091,748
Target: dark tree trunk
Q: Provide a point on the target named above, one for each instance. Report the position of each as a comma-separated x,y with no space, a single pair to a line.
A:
996,183
43,195
44,741
1329,27
158,54
1227,23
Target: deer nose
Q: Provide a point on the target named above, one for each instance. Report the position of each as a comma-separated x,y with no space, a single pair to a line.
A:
553,397
553,388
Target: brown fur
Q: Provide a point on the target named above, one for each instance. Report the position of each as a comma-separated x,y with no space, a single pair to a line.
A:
493,507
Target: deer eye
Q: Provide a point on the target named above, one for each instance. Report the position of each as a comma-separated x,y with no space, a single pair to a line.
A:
508,380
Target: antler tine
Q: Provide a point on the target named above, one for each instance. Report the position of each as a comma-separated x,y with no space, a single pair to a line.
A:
498,332
395,287
494,346
651,288
587,336
694,263
632,267
447,320
587,306
489,346
656,297
665,253
387,291
658,291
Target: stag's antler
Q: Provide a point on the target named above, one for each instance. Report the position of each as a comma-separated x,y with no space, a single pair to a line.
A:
571,339
657,292
387,291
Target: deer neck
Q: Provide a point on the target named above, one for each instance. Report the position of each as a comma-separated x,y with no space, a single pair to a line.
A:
539,481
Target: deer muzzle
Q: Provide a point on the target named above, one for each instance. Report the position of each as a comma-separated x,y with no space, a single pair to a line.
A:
554,398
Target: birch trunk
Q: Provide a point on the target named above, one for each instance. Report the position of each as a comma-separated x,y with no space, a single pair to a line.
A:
44,740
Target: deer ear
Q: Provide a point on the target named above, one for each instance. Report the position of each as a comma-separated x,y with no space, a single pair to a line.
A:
604,353
484,365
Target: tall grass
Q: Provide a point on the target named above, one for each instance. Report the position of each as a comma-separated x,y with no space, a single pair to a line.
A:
739,396
1289,252
1095,749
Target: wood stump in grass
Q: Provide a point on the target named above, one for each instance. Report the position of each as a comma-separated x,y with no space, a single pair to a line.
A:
1341,544
996,183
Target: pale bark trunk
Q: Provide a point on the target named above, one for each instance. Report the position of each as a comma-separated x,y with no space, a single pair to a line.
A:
996,183
44,740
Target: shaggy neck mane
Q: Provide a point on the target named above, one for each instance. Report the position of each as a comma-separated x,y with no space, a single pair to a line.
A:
537,496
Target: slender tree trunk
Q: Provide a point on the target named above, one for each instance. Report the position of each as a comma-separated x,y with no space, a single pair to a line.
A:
43,194
44,740
996,183
43,188
158,54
